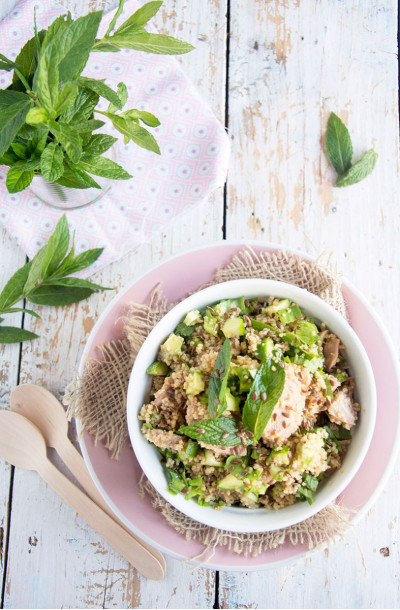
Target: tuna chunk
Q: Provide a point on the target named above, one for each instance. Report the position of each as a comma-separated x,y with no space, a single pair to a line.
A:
165,439
223,450
288,412
343,410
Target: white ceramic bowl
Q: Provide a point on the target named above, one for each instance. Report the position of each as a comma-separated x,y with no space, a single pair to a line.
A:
243,519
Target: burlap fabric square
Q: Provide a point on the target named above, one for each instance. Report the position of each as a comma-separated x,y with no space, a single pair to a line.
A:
98,399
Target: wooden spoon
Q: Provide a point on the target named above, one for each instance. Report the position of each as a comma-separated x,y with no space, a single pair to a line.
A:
43,409
22,444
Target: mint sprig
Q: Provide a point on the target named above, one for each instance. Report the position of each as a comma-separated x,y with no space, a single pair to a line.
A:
48,114
339,148
46,280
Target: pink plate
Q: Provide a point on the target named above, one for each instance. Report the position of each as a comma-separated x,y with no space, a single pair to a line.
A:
118,480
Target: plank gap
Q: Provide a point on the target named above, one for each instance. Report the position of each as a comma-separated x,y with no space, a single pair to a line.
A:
228,34
216,599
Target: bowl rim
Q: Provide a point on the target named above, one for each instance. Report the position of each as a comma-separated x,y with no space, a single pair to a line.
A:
200,513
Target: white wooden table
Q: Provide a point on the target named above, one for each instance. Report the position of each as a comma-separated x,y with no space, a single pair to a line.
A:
272,70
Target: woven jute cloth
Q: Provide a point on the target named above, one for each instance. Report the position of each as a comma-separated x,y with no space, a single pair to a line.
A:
98,399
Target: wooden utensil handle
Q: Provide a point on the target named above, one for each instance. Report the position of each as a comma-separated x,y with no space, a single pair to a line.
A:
76,464
114,534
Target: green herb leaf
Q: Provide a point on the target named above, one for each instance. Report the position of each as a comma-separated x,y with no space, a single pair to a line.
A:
58,295
52,162
140,17
75,177
13,334
101,166
18,178
26,61
99,87
22,310
213,431
57,247
6,64
146,117
19,149
35,271
338,144
14,107
69,138
82,108
264,393
74,45
219,380
12,291
360,170
46,79
99,143
73,265
134,132
150,43
122,93
74,282
66,97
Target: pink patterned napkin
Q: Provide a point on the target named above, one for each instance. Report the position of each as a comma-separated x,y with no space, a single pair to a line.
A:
193,161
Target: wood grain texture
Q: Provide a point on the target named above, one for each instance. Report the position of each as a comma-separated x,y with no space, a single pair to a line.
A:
290,64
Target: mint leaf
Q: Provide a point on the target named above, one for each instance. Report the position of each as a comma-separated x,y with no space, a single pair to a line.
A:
122,93
66,97
82,108
18,178
218,431
74,45
146,117
338,144
134,132
360,170
14,107
35,271
99,143
46,79
19,149
264,393
13,334
73,265
22,310
151,43
101,166
52,162
74,282
218,381
12,291
56,248
26,61
69,138
58,295
99,87
6,64
75,177
140,17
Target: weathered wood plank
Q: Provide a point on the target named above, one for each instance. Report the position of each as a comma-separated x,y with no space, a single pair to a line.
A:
10,260
290,65
66,564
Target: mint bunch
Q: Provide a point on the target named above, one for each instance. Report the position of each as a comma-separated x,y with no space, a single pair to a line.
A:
45,281
48,114
340,152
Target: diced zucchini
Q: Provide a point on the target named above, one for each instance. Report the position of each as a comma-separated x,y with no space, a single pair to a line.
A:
291,314
175,483
279,456
258,487
194,383
278,306
210,325
233,327
276,472
264,349
192,317
211,460
157,368
250,495
173,345
232,402
230,482
190,451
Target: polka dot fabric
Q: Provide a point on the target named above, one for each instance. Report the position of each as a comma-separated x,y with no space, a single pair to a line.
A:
193,161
